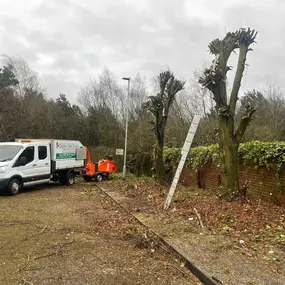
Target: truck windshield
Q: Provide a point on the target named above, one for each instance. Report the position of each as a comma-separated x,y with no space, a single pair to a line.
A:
8,152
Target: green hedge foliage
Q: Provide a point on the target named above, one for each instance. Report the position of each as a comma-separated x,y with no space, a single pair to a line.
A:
256,153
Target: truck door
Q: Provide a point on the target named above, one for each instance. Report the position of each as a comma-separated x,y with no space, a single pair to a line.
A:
29,170
43,163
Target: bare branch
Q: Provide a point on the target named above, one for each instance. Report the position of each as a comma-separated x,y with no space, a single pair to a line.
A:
237,79
244,123
246,38
163,78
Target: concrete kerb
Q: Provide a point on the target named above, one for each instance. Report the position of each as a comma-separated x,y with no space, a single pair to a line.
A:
202,276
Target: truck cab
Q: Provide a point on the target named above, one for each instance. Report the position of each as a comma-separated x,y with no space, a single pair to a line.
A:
35,162
24,165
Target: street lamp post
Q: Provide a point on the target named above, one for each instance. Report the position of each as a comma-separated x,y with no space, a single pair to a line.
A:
127,121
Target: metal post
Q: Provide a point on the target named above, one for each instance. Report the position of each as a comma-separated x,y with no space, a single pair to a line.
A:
126,135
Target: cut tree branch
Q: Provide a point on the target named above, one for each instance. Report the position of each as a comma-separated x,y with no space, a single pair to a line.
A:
244,123
246,38
199,217
237,79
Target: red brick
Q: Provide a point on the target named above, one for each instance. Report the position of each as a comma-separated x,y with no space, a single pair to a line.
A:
261,182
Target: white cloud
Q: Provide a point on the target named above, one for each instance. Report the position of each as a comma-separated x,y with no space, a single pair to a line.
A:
201,10
68,41
148,29
45,60
164,41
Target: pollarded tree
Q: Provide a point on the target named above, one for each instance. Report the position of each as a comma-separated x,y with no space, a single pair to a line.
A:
214,78
159,105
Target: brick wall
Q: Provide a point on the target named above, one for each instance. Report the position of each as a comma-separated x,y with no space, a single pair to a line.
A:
189,177
261,181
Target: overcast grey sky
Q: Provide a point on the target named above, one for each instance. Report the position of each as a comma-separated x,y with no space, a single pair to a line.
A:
69,41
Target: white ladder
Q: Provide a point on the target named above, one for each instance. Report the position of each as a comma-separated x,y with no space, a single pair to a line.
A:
184,153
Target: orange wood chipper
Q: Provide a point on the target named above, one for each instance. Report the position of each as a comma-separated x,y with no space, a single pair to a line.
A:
98,170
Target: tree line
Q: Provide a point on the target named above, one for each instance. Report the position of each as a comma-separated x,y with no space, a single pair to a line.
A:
98,118
26,110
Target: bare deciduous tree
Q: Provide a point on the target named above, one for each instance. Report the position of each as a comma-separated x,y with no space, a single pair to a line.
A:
27,78
104,91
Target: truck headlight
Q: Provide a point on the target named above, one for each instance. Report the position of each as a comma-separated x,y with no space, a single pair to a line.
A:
3,169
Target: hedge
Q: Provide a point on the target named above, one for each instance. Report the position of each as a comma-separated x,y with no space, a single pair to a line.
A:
259,154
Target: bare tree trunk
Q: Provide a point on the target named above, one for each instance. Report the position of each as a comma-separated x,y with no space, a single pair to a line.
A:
229,158
159,152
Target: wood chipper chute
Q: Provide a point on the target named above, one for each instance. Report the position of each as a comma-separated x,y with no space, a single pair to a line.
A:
98,170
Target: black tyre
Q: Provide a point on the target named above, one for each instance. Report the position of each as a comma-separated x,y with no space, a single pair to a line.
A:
70,179
99,177
14,186
62,179
87,178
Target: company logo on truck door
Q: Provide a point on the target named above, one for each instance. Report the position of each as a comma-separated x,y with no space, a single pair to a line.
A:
65,155
66,145
66,149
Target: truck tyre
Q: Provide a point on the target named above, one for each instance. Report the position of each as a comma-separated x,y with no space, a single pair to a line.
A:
99,177
87,178
70,178
63,179
14,186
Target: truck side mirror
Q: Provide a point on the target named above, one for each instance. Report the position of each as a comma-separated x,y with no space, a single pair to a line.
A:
23,161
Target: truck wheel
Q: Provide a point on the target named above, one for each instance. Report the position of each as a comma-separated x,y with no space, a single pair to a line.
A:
99,177
70,178
14,187
87,178
63,179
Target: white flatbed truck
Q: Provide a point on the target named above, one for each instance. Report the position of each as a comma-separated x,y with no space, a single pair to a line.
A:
28,162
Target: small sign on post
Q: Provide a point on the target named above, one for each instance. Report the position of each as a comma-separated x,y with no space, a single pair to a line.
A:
119,151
